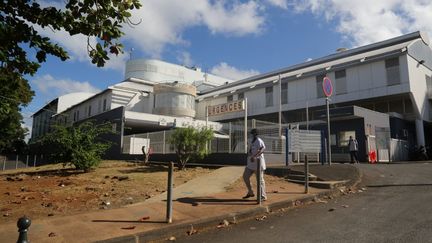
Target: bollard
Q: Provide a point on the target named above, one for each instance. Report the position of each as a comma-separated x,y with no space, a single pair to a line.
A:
16,162
258,178
23,225
27,160
169,193
306,172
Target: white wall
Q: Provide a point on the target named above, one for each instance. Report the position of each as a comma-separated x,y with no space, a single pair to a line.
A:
418,88
368,80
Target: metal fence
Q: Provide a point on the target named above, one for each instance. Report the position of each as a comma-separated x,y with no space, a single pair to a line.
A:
230,139
19,161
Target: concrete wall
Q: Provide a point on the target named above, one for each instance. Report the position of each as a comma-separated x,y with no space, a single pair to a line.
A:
418,88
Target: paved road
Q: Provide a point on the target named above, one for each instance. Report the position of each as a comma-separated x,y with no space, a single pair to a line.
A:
396,207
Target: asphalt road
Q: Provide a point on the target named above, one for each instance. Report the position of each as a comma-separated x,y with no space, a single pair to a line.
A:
396,207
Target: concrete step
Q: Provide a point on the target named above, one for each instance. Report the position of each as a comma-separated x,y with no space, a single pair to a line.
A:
321,184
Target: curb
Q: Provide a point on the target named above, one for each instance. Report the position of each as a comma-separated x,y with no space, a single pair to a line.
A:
212,222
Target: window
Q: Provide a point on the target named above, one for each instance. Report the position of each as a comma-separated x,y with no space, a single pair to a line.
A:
341,83
269,96
284,93
104,105
392,71
240,96
344,137
77,116
319,81
89,111
99,106
230,98
429,85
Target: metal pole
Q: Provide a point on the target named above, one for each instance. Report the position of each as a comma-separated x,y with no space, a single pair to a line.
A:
229,137
306,172
307,115
325,149
16,162
286,147
163,149
4,163
245,127
328,131
258,178
27,160
34,160
169,193
280,106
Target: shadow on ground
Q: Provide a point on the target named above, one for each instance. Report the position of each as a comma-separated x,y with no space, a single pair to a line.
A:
196,201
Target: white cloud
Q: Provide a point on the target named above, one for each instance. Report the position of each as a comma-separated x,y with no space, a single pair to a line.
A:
76,46
227,71
163,22
185,58
278,3
50,86
367,21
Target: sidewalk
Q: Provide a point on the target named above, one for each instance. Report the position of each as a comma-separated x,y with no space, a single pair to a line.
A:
202,202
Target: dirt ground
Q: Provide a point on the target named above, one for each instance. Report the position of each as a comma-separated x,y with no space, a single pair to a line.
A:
52,190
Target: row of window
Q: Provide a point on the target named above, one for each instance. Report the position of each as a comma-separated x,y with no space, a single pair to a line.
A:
88,110
392,73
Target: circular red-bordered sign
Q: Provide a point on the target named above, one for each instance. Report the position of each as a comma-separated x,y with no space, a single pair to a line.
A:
327,86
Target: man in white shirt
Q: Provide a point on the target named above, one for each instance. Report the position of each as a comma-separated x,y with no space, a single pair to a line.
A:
255,155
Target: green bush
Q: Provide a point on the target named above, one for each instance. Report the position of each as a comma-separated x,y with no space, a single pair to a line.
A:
80,146
190,143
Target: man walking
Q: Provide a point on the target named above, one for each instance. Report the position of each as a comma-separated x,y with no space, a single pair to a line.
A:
255,155
353,147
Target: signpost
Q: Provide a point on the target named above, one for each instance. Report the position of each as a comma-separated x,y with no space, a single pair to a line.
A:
328,91
306,141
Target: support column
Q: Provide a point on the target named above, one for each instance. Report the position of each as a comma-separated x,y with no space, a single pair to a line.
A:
420,132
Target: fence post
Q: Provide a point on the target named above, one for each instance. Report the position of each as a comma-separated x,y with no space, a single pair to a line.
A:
23,224
4,163
258,178
16,162
306,172
27,160
34,160
169,193
163,149
286,147
229,137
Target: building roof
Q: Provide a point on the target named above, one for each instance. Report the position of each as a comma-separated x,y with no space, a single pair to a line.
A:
400,42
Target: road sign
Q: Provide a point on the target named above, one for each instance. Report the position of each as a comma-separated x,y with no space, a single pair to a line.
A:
327,86
307,141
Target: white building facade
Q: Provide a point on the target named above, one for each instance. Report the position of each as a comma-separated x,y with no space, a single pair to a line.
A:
387,84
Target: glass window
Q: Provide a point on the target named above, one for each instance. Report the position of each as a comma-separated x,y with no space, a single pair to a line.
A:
104,105
344,137
392,71
230,98
269,96
240,96
341,83
284,93
89,111
319,81
429,85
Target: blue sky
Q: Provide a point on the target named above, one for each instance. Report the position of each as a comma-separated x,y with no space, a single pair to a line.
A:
234,39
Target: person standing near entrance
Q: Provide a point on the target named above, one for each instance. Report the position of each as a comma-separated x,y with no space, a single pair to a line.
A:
255,155
353,147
